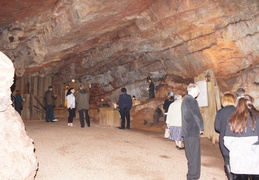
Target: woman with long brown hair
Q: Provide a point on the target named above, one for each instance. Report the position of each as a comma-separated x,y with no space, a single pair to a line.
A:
241,139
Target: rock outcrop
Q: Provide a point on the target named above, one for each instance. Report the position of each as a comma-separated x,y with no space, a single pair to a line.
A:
112,44
17,157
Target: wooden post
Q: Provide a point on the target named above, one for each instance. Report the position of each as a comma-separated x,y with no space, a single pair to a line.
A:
209,112
32,90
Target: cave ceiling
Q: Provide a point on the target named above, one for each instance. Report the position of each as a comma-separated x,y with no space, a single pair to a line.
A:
119,42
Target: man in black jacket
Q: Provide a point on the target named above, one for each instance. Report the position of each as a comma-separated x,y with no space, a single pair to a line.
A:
192,127
124,105
49,98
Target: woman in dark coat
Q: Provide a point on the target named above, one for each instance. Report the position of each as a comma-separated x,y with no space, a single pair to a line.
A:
168,101
221,120
151,88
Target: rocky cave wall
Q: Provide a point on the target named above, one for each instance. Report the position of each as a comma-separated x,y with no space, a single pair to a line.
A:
18,160
114,44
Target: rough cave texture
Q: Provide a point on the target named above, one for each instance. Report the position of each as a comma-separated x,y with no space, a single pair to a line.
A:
17,157
114,43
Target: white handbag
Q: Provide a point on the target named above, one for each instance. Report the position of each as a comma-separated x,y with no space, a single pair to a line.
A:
167,133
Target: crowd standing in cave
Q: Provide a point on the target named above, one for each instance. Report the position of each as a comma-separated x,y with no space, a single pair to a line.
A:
238,127
239,136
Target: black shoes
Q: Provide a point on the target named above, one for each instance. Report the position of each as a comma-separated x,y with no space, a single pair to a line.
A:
124,128
180,148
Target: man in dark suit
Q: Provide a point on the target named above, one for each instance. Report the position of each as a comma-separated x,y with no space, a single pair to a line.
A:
192,127
124,105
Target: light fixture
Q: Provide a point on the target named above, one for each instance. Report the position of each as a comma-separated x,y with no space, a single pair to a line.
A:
207,77
73,80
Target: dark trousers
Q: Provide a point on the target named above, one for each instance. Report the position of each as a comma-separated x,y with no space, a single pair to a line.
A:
18,108
193,155
49,112
125,113
83,112
151,94
71,115
245,177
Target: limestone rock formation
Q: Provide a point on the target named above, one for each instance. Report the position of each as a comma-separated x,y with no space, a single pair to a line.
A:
114,43
17,157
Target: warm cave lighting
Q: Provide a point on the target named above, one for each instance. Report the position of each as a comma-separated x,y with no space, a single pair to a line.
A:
73,80
207,77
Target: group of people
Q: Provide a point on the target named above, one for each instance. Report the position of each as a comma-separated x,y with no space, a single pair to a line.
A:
238,125
186,125
237,122
80,101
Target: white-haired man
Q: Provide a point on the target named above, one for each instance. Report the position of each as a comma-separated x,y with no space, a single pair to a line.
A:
192,127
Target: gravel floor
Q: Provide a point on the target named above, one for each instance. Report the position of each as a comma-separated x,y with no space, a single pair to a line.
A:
105,153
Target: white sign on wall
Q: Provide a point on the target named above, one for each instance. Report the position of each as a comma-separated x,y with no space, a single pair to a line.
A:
203,96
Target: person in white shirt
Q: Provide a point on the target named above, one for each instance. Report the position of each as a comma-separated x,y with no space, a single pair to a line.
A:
71,105
174,121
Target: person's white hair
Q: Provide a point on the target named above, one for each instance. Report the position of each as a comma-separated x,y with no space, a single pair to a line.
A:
192,86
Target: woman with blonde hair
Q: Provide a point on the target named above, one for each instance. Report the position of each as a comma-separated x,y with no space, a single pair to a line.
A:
221,120
241,139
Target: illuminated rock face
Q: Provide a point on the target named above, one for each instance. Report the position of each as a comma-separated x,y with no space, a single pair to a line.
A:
17,157
116,43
